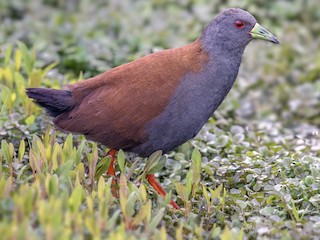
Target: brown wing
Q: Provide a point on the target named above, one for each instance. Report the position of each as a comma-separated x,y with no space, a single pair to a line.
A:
114,107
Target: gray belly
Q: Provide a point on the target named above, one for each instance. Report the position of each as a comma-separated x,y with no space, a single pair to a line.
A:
194,101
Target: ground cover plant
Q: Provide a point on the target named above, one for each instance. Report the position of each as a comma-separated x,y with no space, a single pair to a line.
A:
253,172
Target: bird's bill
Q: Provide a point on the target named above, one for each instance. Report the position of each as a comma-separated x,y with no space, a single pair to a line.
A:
260,32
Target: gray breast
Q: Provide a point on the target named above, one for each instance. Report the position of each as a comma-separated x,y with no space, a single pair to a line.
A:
194,101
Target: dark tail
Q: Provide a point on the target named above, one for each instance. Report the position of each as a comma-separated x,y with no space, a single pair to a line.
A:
54,101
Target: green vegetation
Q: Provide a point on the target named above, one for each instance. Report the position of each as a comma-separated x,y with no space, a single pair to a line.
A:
252,172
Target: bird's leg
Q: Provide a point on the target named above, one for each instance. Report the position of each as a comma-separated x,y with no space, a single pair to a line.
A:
150,177
112,153
156,185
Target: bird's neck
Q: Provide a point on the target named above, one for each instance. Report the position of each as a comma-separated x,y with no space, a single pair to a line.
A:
215,80
222,60
220,53
215,44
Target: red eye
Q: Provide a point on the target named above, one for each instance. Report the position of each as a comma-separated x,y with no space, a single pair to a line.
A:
239,24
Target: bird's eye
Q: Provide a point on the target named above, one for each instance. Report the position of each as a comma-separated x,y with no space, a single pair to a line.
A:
239,24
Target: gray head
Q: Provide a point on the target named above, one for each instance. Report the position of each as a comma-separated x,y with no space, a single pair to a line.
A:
232,30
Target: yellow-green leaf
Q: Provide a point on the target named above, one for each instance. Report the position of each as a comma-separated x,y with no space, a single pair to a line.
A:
5,149
7,55
30,120
157,219
102,166
227,234
22,148
121,160
182,191
17,59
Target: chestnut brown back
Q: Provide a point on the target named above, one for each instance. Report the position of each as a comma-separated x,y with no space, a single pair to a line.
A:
114,107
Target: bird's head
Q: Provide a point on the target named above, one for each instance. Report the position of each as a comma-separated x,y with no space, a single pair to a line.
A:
235,28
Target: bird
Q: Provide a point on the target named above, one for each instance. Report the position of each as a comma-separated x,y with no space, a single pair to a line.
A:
161,100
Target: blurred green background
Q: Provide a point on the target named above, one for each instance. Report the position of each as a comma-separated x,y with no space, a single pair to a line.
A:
264,137
90,37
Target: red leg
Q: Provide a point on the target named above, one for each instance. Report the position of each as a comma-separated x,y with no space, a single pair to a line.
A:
112,172
112,153
154,183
